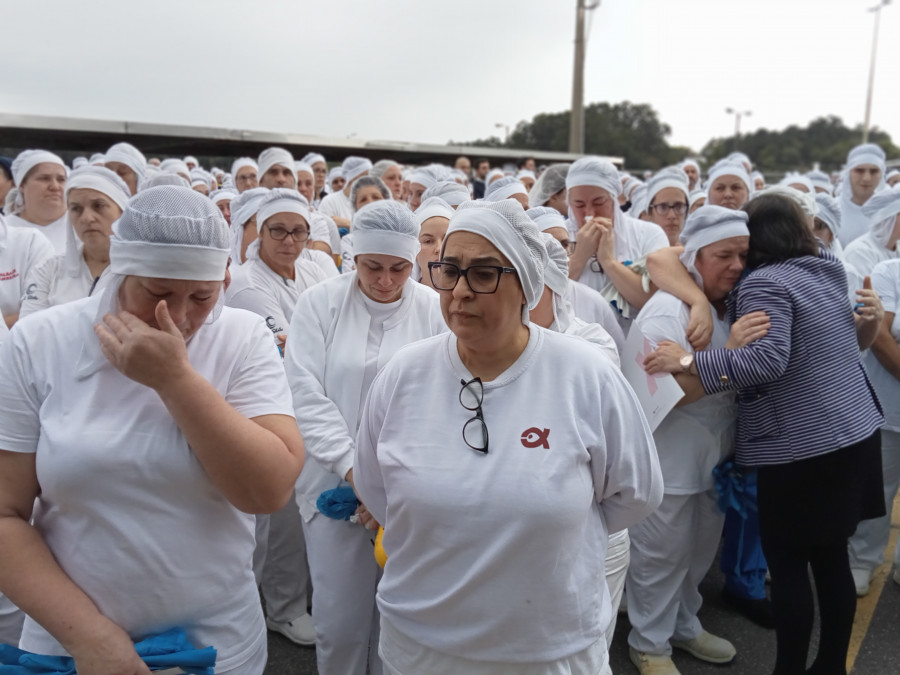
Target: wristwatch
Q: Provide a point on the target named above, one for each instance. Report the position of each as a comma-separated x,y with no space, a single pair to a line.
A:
686,362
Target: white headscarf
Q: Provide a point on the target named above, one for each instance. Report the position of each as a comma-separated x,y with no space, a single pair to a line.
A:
449,190
276,157
728,168
504,188
130,156
433,207
829,212
546,217
385,227
313,158
881,210
241,162
281,200
243,208
24,162
556,278
867,153
794,178
707,225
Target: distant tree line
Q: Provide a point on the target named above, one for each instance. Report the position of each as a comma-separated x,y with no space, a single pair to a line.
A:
635,132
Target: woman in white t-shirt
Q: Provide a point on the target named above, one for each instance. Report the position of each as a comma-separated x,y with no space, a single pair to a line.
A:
497,504
139,428
37,201
95,198
342,333
21,252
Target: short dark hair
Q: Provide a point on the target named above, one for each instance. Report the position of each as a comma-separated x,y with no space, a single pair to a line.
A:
482,160
778,231
6,167
524,161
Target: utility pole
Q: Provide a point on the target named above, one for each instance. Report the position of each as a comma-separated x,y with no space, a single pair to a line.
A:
737,123
576,117
877,11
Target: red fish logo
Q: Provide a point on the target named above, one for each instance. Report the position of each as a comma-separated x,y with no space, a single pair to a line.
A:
534,437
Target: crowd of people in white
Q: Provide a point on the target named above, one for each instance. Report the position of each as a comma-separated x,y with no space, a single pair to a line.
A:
221,392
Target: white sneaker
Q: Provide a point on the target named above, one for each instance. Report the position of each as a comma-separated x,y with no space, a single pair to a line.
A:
299,631
652,664
861,579
708,647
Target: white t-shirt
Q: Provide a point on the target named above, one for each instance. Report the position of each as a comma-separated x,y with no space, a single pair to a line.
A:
863,254
256,287
56,232
125,507
886,282
50,284
854,222
325,359
21,252
322,259
4,331
591,307
337,205
498,556
324,229
694,438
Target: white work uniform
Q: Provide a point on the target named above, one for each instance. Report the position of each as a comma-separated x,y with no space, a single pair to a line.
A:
51,284
337,205
125,507
635,239
496,557
21,252
280,559
56,232
338,340
868,543
325,230
854,223
673,549
591,307
864,253
322,259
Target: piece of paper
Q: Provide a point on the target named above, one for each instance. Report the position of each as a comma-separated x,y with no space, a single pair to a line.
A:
657,394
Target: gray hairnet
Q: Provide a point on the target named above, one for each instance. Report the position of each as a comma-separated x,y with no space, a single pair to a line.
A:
550,182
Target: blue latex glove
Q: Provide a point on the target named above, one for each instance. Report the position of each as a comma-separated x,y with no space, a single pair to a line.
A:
338,503
171,649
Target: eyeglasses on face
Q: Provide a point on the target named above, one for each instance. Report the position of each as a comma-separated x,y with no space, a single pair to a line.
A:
663,208
481,278
279,233
475,431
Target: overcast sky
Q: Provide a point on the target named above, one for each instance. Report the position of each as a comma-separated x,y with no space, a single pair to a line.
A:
429,71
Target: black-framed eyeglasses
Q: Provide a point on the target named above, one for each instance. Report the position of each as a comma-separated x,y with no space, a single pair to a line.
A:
663,208
481,278
595,265
279,234
475,431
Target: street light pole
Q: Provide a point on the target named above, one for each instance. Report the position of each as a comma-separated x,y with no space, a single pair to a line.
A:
877,11
576,116
737,122
505,127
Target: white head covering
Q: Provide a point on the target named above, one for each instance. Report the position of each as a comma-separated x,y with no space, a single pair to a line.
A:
281,200
829,212
385,227
221,195
546,217
380,167
79,162
241,162
172,165
551,181
303,166
525,173
334,173
820,179
450,191
492,174
191,158
24,162
805,200
275,156
201,177
556,278
504,188
98,158
690,162
640,200
432,207
697,195
353,167
429,175
668,178
740,158
165,178
629,186
707,225
726,167
867,153
368,181
93,178
312,158
507,227
881,210
794,178
760,176
243,207
130,156
596,172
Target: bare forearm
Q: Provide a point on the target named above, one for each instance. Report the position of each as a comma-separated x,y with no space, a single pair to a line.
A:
691,386
577,263
670,275
627,283
887,351
866,332
253,467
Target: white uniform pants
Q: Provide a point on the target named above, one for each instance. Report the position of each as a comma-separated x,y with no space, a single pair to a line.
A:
671,551
871,537
344,576
11,620
285,574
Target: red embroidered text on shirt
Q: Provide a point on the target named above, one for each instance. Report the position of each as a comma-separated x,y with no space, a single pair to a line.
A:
6,276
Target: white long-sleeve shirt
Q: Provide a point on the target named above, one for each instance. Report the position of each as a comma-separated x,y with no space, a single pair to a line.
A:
326,360
497,556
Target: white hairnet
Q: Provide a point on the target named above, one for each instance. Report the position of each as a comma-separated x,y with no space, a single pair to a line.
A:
97,158
130,156
707,225
512,232
668,178
276,157
549,183
380,167
429,175
162,178
241,162
243,208
757,175
221,195
332,174
504,188
525,173
629,186
352,167
829,212
433,207
450,191
492,174
546,217
697,195
281,200
385,227
820,179
595,172
726,167
639,199
368,181
881,210
794,178
556,278
175,166
805,200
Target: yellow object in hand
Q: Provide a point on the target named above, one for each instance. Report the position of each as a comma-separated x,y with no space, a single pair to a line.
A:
380,555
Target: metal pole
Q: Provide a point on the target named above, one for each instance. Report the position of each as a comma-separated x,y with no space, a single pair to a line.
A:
576,116
877,11
737,129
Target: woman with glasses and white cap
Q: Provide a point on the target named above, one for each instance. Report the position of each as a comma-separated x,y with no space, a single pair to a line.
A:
273,277
95,199
342,333
37,200
124,543
862,177
497,504
668,200
245,172
609,243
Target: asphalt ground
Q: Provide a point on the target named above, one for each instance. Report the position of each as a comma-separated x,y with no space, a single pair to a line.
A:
874,647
